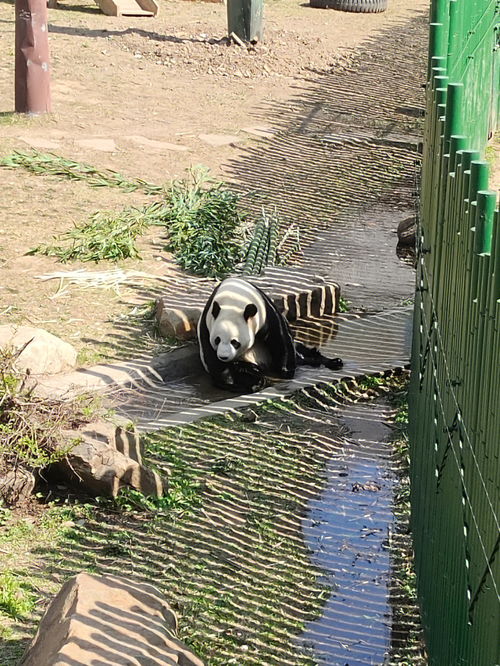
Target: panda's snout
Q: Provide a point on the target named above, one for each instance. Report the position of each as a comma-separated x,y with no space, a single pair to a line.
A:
225,353
225,357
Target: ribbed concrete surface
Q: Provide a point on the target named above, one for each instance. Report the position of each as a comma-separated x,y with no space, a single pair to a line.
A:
154,401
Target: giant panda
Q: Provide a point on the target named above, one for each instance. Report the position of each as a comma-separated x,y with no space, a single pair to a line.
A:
243,338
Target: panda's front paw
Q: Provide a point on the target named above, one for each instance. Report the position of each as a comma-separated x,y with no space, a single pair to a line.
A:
248,377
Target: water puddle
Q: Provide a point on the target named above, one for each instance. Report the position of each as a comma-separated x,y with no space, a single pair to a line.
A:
347,531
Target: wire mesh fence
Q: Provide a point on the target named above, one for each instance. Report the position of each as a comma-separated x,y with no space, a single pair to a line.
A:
454,398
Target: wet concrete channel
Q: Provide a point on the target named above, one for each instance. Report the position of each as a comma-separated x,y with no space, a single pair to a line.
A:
174,389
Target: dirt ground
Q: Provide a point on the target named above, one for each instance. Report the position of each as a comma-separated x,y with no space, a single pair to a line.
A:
147,97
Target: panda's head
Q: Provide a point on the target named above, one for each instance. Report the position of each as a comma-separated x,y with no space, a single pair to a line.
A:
235,317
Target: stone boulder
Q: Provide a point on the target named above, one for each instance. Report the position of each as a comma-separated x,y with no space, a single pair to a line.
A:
16,486
106,458
97,620
44,353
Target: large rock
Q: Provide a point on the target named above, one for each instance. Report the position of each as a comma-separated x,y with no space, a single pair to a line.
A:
106,458
97,620
44,353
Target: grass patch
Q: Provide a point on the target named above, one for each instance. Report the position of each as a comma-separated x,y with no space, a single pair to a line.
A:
405,611
28,579
15,600
14,118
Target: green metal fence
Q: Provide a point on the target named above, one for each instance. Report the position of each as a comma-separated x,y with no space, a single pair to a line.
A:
455,386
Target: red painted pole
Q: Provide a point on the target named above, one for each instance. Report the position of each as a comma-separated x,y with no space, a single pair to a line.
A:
32,70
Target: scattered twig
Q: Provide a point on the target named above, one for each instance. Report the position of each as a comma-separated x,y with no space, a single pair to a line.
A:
236,39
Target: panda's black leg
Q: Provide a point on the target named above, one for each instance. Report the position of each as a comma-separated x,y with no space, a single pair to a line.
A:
307,356
224,380
333,363
314,358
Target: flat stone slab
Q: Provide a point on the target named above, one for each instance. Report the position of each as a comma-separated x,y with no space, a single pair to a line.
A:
219,139
297,293
108,620
107,378
355,338
38,142
156,145
106,145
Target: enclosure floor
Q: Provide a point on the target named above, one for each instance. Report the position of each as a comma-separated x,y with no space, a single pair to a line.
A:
343,161
342,164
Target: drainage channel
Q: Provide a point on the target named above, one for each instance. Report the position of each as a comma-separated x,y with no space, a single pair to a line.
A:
165,395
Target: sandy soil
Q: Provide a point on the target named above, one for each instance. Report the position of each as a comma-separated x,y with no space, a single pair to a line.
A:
147,97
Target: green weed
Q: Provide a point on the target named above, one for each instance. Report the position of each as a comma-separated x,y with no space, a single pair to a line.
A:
89,356
182,498
400,547
344,305
204,224
32,428
15,600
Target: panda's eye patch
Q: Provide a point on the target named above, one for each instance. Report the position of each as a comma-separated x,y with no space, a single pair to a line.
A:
236,344
217,340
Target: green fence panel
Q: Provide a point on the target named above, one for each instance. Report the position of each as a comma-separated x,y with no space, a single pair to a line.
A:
455,384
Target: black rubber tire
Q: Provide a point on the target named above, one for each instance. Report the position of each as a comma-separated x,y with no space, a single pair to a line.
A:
365,6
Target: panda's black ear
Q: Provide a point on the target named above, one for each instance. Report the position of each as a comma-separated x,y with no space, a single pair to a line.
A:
250,311
215,310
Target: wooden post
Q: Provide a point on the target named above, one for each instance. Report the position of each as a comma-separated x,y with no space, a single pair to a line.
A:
32,66
244,19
